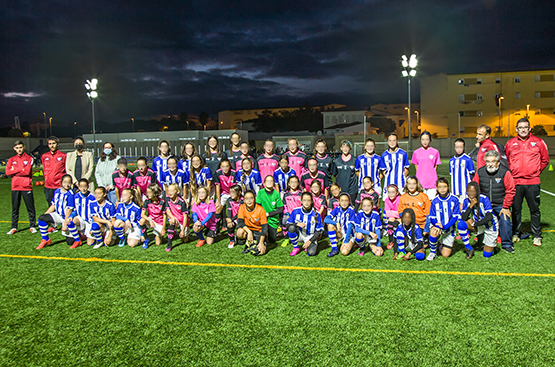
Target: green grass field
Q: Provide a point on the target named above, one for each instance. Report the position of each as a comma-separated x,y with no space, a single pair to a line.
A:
95,313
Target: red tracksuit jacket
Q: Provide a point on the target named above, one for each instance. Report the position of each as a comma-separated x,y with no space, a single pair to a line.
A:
527,159
486,146
21,170
54,167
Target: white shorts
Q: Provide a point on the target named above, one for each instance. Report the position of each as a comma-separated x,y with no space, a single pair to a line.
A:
224,198
304,237
446,238
88,233
58,222
368,240
157,229
490,236
82,224
134,233
431,193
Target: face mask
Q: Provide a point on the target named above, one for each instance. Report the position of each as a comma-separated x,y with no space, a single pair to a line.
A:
79,146
107,151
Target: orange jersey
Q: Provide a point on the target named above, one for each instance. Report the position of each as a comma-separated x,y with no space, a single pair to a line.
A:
419,203
255,219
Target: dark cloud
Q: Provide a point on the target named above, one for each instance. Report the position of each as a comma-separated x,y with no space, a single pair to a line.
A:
153,58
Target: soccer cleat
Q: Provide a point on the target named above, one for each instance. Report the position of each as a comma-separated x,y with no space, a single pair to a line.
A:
44,243
509,249
469,254
231,244
76,244
145,244
537,242
200,243
333,252
515,238
12,231
284,243
121,242
33,230
361,251
52,230
168,248
98,245
390,245
458,237
498,241
254,250
295,251
431,256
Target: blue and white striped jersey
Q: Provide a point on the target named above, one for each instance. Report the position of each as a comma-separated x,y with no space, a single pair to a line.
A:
250,181
184,165
394,164
281,178
168,178
63,201
368,223
369,166
129,212
312,219
159,166
485,207
106,211
201,178
445,211
343,217
401,233
461,170
83,205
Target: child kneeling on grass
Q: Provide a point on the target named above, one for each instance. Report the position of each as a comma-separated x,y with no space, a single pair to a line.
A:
231,212
204,219
409,238
305,225
368,228
340,222
59,214
178,216
252,225
128,214
478,216
103,213
153,214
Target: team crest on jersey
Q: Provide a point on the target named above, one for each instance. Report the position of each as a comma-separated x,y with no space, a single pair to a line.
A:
47,159
483,149
431,156
256,219
273,203
25,162
273,163
420,203
463,163
498,179
59,159
533,143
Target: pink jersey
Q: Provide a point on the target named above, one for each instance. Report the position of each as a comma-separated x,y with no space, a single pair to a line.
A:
333,202
225,181
297,161
426,160
177,208
267,165
142,181
291,201
391,208
319,202
202,210
232,208
155,210
121,182
307,178
239,163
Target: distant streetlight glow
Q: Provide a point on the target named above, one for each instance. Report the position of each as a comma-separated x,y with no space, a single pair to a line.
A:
91,86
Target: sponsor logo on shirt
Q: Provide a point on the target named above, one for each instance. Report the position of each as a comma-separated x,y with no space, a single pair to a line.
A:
497,179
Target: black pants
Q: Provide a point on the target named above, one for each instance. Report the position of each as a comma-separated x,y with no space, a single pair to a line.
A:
29,203
272,234
49,195
532,195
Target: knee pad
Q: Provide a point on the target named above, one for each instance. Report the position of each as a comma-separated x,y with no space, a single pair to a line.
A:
46,218
291,228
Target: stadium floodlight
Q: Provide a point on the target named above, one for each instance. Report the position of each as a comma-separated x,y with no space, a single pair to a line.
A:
91,86
409,72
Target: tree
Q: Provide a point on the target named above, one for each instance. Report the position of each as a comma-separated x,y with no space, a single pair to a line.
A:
539,130
385,126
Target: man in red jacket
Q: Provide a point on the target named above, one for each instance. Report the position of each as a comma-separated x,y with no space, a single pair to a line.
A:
54,167
20,168
483,145
527,156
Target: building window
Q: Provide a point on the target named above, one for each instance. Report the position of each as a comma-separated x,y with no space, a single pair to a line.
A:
537,78
478,97
479,81
517,112
461,113
517,95
479,113
538,111
537,94
517,79
498,80
461,97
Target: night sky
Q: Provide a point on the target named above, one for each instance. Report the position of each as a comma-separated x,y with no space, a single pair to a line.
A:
153,58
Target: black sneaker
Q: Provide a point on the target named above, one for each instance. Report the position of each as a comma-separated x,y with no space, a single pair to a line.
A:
509,249
333,252
469,254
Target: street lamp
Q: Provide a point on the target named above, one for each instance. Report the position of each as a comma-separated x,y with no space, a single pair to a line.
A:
500,114
50,121
409,72
133,120
92,94
44,113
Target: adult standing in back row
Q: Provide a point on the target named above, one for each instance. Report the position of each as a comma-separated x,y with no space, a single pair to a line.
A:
485,144
527,156
345,172
105,167
54,167
79,163
426,159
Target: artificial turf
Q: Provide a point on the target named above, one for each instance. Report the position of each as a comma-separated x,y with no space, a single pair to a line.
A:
61,312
